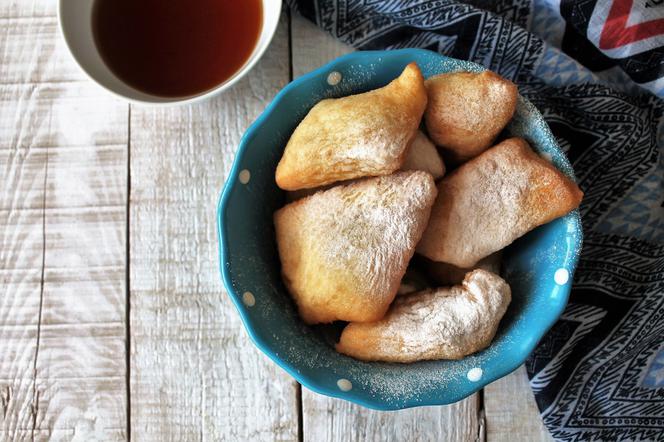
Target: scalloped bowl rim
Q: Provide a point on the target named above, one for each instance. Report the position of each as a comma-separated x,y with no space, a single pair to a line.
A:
515,360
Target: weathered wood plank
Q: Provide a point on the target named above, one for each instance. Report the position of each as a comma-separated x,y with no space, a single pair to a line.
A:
81,359
327,419
62,232
330,419
33,52
22,178
511,412
194,373
83,433
28,8
20,274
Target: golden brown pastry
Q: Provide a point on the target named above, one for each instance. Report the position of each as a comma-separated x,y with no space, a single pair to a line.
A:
423,155
445,323
467,110
444,274
344,250
355,136
492,200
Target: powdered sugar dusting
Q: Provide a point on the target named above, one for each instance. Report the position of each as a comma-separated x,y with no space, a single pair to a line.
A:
370,228
395,384
354,136
494,199
446,323
528,123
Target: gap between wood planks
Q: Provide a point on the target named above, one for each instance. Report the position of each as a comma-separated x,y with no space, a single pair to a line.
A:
35,394
128,278
298,389
481,421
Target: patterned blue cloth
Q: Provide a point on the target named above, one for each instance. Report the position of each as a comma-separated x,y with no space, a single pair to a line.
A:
599,373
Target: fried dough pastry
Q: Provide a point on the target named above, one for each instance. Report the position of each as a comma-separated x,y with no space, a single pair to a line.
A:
467,110
492,200
444,274
344,250
445,323
355,136
423,155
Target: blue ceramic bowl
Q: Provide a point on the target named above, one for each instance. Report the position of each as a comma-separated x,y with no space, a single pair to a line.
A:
538,267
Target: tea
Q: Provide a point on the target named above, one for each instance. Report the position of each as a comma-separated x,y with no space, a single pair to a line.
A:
176,48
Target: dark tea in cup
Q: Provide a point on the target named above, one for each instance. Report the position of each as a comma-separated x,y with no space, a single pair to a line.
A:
176,48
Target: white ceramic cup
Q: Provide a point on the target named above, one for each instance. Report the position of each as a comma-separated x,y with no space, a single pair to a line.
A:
75,20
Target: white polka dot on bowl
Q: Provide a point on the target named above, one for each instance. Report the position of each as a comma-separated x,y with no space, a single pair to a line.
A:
474,374
344,384
334,78
561,276
249,299
244,176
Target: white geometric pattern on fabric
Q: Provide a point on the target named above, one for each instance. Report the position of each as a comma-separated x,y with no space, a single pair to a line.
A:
547,22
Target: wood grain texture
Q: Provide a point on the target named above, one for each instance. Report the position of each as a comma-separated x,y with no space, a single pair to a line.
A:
511,411
33,52
194,373
327,419
21,248
28,8
62,230
80,367
81,434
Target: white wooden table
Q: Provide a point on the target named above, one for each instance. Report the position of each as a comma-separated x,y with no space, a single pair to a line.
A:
113,321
